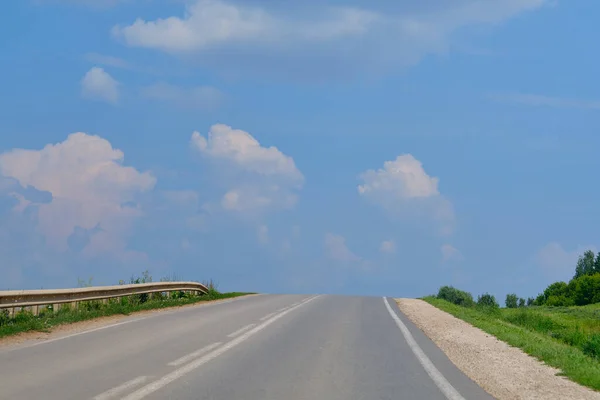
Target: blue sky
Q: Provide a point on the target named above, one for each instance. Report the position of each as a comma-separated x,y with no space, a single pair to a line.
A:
379,148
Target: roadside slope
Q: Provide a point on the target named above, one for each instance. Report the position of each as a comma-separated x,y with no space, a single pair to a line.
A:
503,371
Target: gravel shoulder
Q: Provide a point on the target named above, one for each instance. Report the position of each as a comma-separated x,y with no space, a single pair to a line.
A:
506,372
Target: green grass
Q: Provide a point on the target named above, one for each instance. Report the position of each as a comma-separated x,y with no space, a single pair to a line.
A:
567,338
24,321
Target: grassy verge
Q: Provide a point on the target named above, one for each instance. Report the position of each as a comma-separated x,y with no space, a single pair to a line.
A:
24,321
564,338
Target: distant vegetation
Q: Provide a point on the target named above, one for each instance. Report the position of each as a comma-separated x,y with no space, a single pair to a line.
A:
561,326
24,320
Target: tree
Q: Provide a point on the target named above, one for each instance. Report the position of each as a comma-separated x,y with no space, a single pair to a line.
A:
487,300
521,302
597,264
585,264
556,289
456,296
530,301
511,300
586,290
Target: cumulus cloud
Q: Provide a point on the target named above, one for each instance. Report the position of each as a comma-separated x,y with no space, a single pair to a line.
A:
386,34
200,97
556,262
91,191
402,178
264,177
97,84
387,246
402,185
450,253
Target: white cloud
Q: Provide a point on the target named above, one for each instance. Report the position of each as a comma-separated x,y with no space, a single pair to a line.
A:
99,85
537,100
386,35
401,178
262,233
199,97
336,249
266,178
90,189
558,263
450,253
402,185
387,246
242,149
212,22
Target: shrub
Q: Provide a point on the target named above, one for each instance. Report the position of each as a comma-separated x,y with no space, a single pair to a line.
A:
23,316
511,300
487,300
559,301
4,317
455,296
591,347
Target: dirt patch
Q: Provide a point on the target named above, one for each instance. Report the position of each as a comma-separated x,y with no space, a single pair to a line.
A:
82,326
505,372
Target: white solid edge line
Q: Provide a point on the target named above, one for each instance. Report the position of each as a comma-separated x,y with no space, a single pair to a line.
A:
445,387
160,312
109,394
241,330
178,373
197,353
72,335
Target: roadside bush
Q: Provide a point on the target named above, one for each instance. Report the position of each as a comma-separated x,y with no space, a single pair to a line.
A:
4,317
23,316
591,347
511,300
487,300
455,296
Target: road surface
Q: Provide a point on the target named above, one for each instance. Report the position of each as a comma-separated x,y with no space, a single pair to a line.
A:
265,347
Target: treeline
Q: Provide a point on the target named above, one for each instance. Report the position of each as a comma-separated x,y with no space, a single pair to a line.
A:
582,289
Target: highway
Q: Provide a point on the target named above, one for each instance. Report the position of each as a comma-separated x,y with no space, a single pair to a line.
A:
264,347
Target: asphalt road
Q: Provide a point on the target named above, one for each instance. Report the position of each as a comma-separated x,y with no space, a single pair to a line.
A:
266,347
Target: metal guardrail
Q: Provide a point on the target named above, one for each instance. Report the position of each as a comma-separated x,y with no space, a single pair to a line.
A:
32,299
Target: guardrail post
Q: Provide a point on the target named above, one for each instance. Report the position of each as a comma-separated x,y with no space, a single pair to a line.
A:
55,307
35,310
